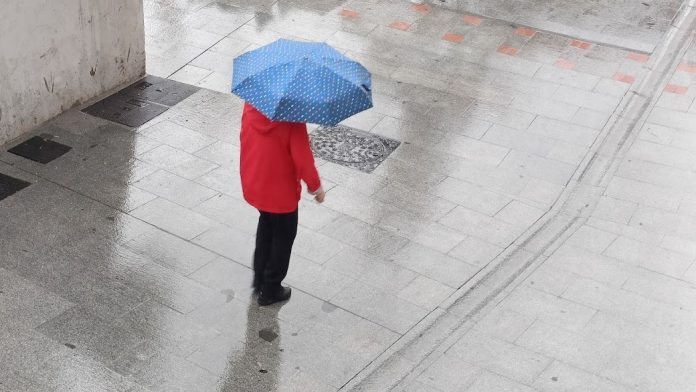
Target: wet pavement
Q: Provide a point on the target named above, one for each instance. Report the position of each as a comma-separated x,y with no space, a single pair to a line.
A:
125,261
632,25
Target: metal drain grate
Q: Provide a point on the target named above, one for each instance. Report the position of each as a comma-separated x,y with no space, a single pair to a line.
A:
142,101
351,147
39,149
161,91
10,185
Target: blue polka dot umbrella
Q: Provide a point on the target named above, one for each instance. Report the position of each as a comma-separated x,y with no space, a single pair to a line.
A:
302,82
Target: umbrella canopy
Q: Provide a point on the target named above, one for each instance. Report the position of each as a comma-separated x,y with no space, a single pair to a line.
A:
302,82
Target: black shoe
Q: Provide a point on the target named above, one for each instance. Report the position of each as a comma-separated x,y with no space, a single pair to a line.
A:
279,296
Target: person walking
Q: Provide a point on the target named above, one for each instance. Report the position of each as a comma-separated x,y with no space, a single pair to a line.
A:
285,85
275,156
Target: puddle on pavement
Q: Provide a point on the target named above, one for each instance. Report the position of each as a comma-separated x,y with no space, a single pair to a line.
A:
230,294
268,335
328,307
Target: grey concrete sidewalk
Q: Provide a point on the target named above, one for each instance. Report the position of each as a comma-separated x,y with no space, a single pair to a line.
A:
632,25
611,308
124,266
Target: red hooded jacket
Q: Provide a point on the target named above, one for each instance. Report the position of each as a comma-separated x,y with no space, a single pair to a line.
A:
274,157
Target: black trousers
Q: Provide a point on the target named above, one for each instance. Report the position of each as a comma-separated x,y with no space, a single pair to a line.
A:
275,236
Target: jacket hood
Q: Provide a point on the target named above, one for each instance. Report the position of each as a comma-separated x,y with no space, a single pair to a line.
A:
257,120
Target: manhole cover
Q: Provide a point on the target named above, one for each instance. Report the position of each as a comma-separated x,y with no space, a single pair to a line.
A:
10,185
350,147
162,91
40,150
142,101
122,109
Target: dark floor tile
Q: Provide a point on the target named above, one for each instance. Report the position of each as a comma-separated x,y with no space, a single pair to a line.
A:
158,90
129,111
40,149
9,186
351,147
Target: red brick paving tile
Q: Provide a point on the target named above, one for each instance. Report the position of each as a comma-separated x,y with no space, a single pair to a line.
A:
525,32
676,89
509,50
580,44
349,14
638,57
687,67
472,20
421,8
398,25
622,77
565,64
452,37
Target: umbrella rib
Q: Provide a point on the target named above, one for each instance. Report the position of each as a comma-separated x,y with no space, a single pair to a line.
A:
286,87
332,99
269,69
338,74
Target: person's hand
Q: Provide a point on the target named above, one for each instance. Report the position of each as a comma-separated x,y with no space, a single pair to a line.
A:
320,195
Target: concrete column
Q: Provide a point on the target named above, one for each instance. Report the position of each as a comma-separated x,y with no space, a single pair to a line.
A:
57,54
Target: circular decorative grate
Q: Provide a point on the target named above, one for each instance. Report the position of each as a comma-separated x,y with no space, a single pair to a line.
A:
350,147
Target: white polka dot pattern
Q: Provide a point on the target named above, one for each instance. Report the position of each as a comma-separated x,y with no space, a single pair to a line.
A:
302,82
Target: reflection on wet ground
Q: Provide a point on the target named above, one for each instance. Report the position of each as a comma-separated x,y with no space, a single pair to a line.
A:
125,264
257,366
638,27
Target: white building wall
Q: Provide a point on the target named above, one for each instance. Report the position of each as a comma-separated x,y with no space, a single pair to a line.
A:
56,54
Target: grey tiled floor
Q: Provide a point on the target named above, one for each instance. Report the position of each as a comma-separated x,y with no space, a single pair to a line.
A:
125,266
638,27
